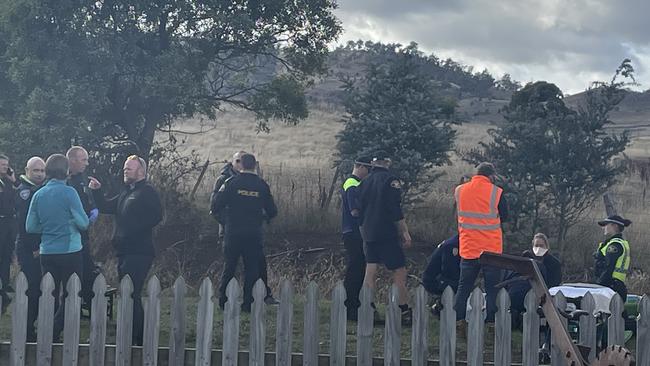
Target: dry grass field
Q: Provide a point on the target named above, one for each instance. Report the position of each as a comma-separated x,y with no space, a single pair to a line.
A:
297,162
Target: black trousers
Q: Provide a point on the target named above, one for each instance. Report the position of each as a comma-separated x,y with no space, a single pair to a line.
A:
90,270
248,246
264,274
61,267
31,267
7,243
137,267
355,269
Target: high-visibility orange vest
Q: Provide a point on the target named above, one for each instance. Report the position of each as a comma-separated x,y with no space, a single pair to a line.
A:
479,225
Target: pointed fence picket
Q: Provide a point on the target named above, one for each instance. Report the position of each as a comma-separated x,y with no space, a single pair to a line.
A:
337,326
284,323
231,324
615,323
365,327
98,353
72,321
587,328
45,321
310,330
393,329
177,335
151,323
19,322
503,330
447,332
124,323
258,325
475,327
204,321
530,331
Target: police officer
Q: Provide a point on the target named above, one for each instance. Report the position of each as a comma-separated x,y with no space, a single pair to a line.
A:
27,245
443,268
352,241
384,229
228,171
78,162
7,224
613,256
244,202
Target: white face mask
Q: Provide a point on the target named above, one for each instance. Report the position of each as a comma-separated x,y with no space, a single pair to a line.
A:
539,251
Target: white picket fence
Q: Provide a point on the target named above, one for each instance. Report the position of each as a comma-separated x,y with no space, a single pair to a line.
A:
98,352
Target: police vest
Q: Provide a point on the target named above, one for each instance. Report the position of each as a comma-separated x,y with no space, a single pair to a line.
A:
623,262
350,182
479,225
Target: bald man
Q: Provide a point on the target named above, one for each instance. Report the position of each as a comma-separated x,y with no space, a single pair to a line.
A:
77,164
27,245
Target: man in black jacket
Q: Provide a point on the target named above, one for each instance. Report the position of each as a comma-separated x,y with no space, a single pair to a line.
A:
77,164
228,171
244,202
137,211
27,245
7,224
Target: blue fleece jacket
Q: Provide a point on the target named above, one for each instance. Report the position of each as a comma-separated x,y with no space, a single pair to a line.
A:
57,214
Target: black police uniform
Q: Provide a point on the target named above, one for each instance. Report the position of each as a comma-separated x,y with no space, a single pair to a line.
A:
26,245
355,260
551,270
7,231
90,271
137,211
380,198
443,269
227,172
605,265
244,203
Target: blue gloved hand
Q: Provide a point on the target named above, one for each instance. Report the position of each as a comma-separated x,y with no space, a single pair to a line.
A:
93,215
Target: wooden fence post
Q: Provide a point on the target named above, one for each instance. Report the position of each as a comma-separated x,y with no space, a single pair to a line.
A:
284,325
337,326
258,325
45,321
530,331
365,327
393,329
643,332
151,323
615,323
124,335
557,358
310,353
419,335
177,334
475,327
503,330
72,321
19,322
204,321
98,322
231,315
447,332
587,325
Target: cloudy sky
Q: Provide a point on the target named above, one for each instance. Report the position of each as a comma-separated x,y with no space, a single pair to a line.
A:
567,42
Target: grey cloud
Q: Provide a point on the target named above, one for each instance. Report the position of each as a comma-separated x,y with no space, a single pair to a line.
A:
587,37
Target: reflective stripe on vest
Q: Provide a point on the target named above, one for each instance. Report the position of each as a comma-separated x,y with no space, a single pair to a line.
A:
622,265
479,225
494,210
